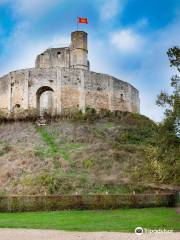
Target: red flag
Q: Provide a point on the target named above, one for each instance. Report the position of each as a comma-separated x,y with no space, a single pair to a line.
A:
83,20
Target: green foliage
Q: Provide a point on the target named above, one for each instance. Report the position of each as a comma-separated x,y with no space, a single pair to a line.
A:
138,120
136,136
167,140
89,115
172,102
168,151
76,115
58,182
139,131
174,57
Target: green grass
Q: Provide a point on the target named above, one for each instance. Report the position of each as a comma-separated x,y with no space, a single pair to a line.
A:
125,220
108,125
49,139
54,149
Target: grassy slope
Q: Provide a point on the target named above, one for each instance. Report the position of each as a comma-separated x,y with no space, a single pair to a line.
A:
75,156
125,220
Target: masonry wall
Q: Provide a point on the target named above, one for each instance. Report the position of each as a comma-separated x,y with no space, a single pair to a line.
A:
39,78
4,93
72,88
106,92
53,57
13,90
19,88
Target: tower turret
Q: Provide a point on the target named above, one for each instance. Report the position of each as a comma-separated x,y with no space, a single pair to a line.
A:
79,50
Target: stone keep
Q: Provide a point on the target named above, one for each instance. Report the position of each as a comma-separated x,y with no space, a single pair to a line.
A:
66,73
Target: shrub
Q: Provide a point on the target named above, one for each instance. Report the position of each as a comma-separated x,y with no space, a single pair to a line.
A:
136,136
19,115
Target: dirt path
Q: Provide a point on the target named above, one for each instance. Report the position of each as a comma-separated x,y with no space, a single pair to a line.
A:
23,234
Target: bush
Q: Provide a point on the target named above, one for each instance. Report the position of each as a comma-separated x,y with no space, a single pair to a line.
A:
93,202
3,116
136,136
19,115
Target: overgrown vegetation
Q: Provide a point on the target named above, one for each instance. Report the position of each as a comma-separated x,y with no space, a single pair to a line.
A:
91,153
18,115
86,153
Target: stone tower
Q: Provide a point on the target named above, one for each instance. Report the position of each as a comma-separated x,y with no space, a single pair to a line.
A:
79,50
74,56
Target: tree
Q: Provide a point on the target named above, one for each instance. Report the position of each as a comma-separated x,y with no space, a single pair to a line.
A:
172,102
168,135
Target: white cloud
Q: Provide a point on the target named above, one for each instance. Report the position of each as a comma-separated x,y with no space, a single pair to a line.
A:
152,71
127,40
29,7
21,51
110,8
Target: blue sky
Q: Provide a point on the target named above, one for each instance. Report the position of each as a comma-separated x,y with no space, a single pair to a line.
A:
127,38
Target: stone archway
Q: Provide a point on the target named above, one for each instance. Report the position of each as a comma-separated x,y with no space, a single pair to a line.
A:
39,93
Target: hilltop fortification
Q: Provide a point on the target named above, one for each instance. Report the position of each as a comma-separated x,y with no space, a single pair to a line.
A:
65,74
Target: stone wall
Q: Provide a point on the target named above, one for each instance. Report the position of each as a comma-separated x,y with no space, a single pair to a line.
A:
54,57
4,93
72,88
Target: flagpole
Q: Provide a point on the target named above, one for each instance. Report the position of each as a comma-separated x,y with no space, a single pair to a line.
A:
77,22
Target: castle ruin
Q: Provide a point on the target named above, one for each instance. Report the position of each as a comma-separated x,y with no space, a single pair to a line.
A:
64,74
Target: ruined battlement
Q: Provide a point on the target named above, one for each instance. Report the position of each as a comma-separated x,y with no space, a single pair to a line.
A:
73,56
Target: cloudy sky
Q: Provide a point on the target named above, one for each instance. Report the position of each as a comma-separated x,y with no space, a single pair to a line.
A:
127,38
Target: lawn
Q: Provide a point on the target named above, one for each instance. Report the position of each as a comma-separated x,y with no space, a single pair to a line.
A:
124,220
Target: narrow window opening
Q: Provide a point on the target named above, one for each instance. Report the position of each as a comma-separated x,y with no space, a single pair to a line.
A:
58,54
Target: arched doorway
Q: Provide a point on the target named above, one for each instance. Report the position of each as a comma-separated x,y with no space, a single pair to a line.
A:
45,100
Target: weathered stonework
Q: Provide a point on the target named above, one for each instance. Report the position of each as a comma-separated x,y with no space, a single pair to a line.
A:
65,72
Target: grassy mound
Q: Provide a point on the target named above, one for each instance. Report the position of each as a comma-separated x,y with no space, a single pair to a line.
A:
79,153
